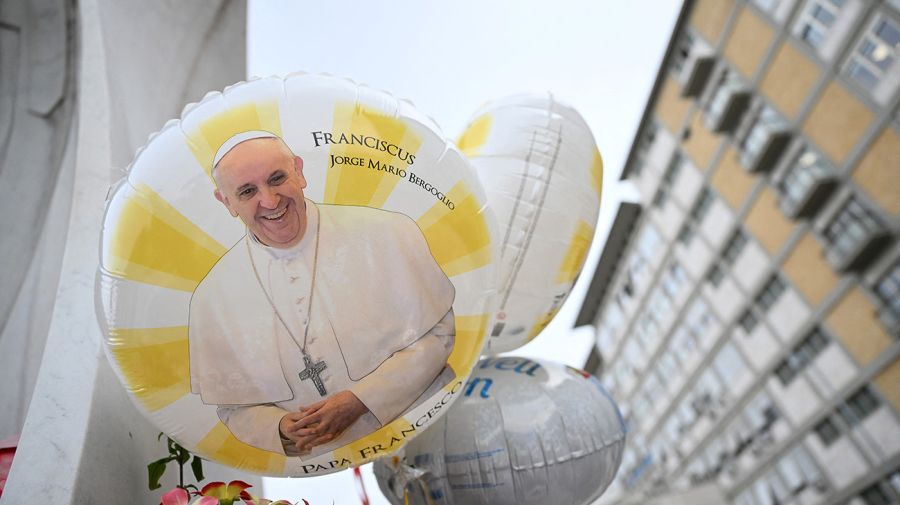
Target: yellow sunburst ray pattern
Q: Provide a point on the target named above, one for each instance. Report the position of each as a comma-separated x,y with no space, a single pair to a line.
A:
459,239
153,362
206,139
353,127
597,172
542,322
153,243
220,445
471,331
577,252
475,136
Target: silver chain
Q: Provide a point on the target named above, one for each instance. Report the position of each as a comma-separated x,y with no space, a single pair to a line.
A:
312,290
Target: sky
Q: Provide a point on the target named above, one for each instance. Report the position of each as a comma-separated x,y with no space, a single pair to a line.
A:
448,58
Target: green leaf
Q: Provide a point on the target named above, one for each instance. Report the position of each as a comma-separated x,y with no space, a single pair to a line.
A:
155,472
197,468
183,456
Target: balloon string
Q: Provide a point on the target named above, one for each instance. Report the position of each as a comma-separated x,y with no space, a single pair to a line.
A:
362,487
414,483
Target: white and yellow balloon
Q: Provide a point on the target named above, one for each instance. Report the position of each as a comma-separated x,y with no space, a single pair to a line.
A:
542,172
163,231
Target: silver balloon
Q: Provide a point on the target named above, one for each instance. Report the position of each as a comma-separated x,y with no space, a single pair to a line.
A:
524,432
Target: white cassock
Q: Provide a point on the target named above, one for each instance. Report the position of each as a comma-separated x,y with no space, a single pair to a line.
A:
381,319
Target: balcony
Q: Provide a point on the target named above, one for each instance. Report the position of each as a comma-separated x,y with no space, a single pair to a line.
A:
806,187
765,143
695,74
855,238
728,104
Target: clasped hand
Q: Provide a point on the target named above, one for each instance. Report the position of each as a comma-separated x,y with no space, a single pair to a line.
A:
322,421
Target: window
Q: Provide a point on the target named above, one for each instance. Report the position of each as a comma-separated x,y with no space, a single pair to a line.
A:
785,372
684,345
730,364
806,185
686,416
859,406
705,398
634,355
766,5
798,470
770,293
660,450
621,372
672,429
647,139
682,51
686,234
888,291
673,279
716,456
827,431
668,366
745,498
734,246
715,275
698,212
801,356
702,205
668,178
605,340
855,236
765,142
817,19
648,244
659,306
638,266
748,321
677,274
880,493
853,411
764,494
812,345
653,387
640,407
780,492
636,270
732,250
776,9
698,319
614,317
874,495
762,413
875,58
791,474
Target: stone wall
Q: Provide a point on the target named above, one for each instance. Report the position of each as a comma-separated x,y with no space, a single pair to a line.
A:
111,72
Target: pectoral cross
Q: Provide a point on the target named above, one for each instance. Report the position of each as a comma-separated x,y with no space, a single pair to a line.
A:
312,371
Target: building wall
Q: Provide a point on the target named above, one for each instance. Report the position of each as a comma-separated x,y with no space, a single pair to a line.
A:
770,366
137,62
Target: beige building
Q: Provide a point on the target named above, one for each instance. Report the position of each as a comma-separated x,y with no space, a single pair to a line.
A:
748,307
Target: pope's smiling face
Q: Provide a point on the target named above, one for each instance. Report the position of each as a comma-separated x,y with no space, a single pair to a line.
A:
262,182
